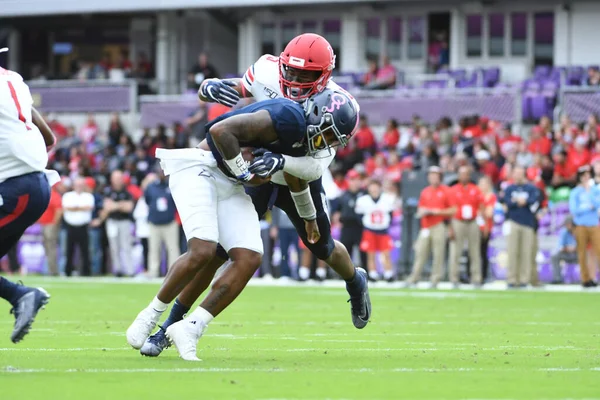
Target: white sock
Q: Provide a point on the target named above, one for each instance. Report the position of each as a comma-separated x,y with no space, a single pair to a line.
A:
321,273
158,305
374,275
200,315
388,274
303,273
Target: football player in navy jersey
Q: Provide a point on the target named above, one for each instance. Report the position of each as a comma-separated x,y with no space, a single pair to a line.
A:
331,119
202,187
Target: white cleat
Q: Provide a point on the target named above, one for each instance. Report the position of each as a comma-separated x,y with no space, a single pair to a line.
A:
141,328
184,335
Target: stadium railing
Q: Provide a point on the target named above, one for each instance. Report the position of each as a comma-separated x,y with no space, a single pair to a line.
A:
73,96
500,104
578,102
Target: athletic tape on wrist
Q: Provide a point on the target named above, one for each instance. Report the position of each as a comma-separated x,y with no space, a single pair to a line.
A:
238,167
304,204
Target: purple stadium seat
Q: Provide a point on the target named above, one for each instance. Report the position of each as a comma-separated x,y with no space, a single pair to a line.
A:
491,76
539,107
526,108
574,75
542,71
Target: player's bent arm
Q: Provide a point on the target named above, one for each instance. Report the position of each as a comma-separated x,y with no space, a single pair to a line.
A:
45,130
301,195
306,168
254,127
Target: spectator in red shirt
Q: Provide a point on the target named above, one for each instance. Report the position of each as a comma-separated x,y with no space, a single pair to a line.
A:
578,155
563,174
434,208
485,126
534,171
545,126
539,143
364,139
57,128
596,152
486,166
391,137
395,167
466,197
507,141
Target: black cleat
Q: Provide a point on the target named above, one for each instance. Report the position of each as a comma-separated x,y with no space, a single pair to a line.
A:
25,311
361,303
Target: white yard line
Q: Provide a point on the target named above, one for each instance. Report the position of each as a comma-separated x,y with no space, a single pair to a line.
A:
15,370
469,290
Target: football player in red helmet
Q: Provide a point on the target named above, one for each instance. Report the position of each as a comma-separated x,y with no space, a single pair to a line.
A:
302,70
305,66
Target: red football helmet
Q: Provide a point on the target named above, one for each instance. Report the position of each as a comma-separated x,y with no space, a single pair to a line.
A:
305,66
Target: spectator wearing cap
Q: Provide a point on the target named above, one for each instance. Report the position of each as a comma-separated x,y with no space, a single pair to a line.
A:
467,200
539,143
584,204
50,223
161,221
519,197
566,251
352,229
78,205
563,174
434,208
486,166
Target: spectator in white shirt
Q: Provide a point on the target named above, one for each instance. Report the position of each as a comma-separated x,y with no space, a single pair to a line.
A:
78,206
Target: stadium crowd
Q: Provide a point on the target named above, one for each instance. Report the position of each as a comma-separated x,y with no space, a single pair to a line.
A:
111,183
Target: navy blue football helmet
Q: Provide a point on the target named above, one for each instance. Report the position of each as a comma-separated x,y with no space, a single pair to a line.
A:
331,120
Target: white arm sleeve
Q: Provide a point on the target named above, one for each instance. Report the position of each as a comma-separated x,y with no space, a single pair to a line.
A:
305,168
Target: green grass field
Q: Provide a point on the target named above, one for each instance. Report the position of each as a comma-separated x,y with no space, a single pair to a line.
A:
299,343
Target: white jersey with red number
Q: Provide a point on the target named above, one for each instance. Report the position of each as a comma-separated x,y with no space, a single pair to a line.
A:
376,213
22,147
262,81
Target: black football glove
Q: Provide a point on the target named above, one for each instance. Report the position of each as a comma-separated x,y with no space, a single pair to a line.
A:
266,163
220,91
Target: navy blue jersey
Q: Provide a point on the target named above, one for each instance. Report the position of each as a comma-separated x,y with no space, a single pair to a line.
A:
289,123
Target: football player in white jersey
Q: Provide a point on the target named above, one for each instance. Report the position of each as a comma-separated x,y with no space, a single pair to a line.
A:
302,70
24,187
376,208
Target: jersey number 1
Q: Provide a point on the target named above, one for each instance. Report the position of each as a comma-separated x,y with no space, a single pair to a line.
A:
13,94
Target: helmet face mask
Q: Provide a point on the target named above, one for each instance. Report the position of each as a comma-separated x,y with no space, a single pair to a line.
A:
322,131
305,66
296,83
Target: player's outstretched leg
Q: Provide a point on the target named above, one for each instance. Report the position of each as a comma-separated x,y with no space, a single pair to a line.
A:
186,333
156,343
356,284
199,253
26,303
